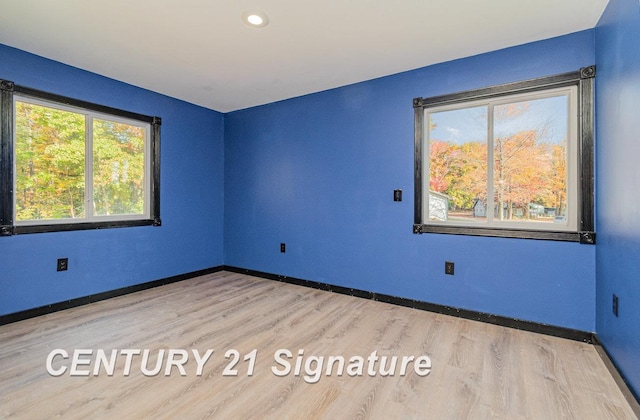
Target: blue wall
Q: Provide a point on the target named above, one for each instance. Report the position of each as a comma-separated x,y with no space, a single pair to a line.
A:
318,173
618,184
192,166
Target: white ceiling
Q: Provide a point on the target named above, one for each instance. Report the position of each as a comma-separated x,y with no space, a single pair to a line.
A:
200,50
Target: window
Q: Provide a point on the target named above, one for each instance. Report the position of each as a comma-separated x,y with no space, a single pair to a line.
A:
513,160
68,164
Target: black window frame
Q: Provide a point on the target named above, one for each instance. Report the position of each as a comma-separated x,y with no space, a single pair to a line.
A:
7,225
583,79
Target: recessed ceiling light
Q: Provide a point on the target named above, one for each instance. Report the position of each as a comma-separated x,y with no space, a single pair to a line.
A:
255,19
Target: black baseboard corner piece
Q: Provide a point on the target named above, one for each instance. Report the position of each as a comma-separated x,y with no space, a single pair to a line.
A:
68,304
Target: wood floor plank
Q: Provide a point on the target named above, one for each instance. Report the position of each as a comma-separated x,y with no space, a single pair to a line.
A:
478,371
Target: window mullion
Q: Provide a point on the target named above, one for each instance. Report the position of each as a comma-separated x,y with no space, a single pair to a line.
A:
88,165
490,166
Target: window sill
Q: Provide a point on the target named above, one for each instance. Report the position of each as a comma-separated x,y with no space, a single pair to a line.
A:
582,237
63,227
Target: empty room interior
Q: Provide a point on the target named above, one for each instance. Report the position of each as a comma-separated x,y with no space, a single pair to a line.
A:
281,209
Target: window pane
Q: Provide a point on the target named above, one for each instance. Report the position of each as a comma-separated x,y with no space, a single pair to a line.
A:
458,165
530,161
118,168
49,156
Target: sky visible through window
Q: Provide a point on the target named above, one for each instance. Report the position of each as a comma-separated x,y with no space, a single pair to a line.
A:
469,124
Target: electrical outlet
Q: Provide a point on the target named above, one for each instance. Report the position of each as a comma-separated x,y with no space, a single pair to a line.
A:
615,305
63,264
283,248
448,268
397,195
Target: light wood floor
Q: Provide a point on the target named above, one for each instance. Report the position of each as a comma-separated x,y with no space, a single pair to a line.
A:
479,371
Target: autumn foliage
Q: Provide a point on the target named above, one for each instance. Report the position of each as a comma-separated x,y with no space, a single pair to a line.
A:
50,165
525,172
